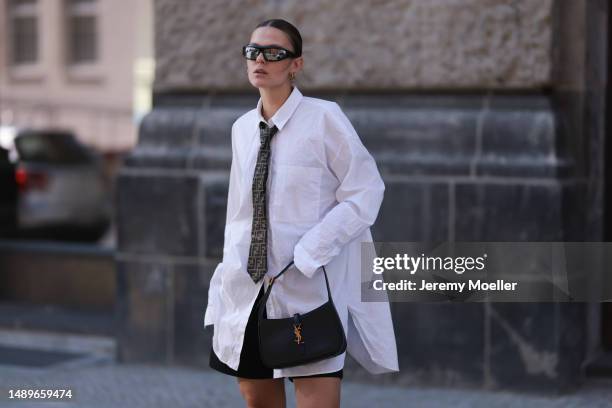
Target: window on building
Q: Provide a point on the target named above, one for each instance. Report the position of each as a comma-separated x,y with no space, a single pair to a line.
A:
23,26
82,31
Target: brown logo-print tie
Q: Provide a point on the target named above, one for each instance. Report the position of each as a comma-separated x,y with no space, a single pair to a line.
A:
258,251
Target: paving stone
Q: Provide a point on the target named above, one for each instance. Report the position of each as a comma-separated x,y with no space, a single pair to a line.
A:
144,385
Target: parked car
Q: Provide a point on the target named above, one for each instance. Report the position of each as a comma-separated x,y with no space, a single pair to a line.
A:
61,189
8,195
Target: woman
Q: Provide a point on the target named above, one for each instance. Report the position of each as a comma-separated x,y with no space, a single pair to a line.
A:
303,188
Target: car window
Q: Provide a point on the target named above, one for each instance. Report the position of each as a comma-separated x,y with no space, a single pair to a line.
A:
50,147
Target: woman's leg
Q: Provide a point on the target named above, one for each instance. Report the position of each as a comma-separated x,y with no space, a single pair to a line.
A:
263,393
317,392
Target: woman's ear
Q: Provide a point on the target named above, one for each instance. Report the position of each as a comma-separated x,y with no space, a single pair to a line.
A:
298,64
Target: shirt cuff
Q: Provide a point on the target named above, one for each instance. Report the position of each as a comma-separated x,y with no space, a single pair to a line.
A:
304,262
208,316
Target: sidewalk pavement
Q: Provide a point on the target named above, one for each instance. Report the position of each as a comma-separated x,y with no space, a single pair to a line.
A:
107,384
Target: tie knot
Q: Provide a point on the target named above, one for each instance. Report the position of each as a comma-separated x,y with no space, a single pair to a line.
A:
266,132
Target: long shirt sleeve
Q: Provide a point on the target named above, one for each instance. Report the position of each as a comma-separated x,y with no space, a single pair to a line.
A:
359,196
233,201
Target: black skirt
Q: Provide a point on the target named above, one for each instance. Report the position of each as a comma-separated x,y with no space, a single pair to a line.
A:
251,365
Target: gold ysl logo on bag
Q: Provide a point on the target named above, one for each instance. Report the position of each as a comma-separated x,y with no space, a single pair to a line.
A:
297,331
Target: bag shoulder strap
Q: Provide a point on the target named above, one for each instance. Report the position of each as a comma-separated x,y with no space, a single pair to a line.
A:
264,298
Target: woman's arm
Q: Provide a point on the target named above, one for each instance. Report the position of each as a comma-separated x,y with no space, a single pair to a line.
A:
359,196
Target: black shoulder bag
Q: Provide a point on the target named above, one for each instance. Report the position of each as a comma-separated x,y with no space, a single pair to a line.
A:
303,338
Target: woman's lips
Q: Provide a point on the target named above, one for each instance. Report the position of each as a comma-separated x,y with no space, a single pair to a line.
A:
260,73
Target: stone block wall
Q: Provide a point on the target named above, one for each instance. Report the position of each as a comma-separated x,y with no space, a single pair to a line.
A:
372,44
453,100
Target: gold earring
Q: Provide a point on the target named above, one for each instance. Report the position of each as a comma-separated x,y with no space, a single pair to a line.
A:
292,76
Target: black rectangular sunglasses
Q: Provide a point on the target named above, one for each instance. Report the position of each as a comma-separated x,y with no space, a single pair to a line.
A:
270,53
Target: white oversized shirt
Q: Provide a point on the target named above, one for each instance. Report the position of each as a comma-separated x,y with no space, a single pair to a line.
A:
324,192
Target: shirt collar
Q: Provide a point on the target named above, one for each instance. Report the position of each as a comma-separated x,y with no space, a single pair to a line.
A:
283,113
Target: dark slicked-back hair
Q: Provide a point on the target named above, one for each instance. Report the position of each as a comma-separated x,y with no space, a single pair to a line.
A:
287,28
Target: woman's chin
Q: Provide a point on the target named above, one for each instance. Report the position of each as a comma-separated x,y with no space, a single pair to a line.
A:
259,82
263,82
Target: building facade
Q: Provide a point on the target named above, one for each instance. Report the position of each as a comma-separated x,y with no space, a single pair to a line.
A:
82,65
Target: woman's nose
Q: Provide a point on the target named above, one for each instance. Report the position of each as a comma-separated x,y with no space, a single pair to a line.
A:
260,58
